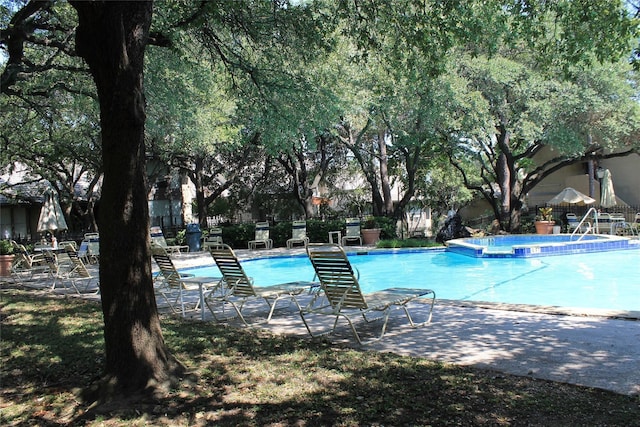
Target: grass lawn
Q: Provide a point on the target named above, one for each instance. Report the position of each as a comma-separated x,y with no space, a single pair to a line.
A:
51,347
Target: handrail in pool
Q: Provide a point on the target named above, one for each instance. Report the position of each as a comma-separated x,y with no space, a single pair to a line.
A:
589,229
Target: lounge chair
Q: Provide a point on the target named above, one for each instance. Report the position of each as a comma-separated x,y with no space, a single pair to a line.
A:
619,224
635,225
89,250
41,246
606,223
93,247
344,295
601,222
261,236
213,239
77,273
57,268
25,264
573,223
298,234
157,237
68,242
238,287
172,285
352,231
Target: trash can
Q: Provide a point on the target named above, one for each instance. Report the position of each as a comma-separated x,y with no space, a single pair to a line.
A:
193,235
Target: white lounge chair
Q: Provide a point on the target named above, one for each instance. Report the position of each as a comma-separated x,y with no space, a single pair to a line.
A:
238,287
57,267
157,237
77,273
635,225
298,234
352,231
213,239
25,264
261,236
573,223
174,286
344,296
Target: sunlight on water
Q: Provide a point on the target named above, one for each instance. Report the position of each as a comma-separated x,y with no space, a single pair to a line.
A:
604,280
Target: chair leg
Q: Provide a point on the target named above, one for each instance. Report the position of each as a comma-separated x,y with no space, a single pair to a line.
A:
351,325
223,302
306,324
182,302
272,306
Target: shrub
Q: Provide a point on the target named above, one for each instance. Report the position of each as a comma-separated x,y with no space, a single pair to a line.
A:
407,243
6,248
237,235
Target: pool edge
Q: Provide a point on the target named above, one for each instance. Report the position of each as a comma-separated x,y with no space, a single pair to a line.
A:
630,315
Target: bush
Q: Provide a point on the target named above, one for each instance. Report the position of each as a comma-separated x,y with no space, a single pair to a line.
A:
6,248
237,235
407,243
386,225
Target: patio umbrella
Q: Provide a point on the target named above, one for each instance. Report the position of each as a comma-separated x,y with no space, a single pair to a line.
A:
607,195
51,216
570,196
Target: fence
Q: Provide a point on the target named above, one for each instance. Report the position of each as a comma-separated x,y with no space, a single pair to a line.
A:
629,212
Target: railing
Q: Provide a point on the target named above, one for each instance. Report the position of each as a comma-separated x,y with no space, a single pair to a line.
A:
589,228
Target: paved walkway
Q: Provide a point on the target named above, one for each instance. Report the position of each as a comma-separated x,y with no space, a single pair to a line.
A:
592,351
587,350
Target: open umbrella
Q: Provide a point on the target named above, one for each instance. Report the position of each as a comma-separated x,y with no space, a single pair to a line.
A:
51,216
607,195
570,196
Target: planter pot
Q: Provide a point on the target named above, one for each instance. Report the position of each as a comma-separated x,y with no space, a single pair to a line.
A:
544,227
370,235
5,265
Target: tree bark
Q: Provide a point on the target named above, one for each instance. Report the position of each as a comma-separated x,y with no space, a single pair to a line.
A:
384,173
111,37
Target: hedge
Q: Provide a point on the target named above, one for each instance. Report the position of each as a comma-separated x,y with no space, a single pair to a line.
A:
237,235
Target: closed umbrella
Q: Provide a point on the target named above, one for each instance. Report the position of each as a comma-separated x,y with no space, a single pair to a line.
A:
570,196
607,195
51,216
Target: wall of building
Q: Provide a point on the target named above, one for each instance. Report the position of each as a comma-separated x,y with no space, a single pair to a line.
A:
19,222
625,172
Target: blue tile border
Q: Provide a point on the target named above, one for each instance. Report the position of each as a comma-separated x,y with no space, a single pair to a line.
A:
537,245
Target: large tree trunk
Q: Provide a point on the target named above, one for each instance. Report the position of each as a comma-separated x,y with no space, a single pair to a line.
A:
411,161
384,173
504,181
112,37
504,168
198,181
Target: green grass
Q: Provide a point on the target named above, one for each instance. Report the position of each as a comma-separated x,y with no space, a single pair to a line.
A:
51,347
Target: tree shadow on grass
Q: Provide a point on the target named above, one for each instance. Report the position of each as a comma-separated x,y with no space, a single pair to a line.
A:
248,377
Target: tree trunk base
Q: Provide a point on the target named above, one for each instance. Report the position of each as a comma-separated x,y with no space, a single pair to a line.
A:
108,393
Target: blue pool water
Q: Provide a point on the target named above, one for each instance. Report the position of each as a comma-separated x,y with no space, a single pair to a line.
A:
603,280
538,245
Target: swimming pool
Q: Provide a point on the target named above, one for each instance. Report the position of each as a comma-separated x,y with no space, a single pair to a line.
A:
538,245
603,280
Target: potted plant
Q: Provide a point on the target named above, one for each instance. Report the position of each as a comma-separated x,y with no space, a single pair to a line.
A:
544,221
370,231
6,258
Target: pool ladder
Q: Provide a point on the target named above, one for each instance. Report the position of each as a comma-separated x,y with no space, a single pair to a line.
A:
589,228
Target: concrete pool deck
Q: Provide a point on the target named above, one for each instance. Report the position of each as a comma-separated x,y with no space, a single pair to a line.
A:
590,349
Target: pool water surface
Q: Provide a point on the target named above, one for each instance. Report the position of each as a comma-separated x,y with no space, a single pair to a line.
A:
603,280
